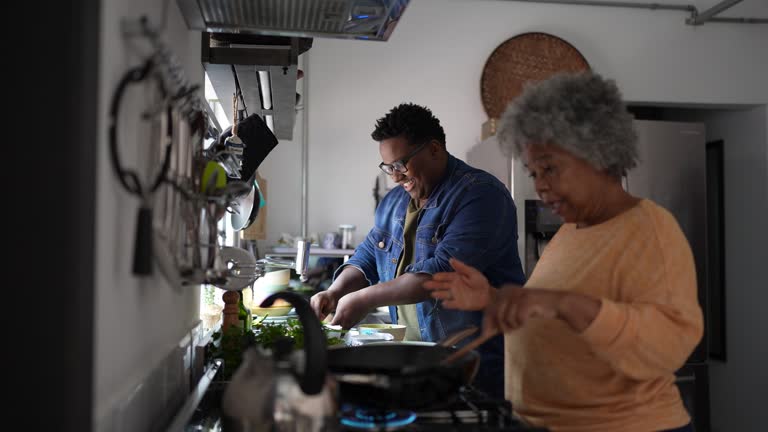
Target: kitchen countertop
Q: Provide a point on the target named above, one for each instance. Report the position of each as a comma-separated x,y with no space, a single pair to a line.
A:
287,251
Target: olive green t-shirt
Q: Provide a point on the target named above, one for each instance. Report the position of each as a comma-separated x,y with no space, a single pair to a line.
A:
406,314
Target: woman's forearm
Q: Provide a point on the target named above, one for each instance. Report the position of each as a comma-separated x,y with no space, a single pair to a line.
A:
578,310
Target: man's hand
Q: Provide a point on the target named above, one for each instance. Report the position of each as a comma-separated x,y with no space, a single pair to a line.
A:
323,303
349,280
465,289
351,309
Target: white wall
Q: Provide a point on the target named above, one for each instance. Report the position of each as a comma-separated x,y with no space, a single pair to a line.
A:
138,321
436,56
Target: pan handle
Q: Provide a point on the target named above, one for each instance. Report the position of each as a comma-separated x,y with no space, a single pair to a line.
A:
315,350
467,348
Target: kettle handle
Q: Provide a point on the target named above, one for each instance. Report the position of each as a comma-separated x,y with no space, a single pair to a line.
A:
315,349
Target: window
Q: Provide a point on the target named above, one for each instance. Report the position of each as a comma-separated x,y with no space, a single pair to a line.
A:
211,303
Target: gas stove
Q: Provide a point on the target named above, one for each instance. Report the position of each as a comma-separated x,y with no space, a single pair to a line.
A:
471,411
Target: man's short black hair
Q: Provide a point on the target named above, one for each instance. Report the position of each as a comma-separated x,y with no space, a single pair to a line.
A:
415,123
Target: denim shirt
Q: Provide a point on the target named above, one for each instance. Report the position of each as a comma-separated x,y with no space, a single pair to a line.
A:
470,216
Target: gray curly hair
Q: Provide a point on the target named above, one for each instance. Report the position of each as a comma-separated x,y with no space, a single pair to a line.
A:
582,113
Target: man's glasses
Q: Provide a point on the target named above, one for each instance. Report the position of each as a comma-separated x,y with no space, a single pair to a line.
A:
401,165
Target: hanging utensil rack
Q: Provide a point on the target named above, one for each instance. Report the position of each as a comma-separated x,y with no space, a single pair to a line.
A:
181,235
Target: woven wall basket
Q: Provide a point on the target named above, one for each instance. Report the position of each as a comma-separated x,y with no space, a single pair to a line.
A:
525,58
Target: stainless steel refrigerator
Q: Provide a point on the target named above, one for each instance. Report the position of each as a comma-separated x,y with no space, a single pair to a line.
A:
672,173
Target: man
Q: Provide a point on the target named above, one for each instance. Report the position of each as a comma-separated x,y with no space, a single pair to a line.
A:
441,208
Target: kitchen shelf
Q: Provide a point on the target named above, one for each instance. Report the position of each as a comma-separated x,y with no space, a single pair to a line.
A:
333,253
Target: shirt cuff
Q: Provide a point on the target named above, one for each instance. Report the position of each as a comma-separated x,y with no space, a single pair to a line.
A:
360,269
607,326
416,268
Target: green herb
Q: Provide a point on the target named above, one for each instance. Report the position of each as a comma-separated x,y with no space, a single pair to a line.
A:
230,344
268,333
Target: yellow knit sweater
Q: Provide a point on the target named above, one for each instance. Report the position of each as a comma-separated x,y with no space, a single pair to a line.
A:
618,375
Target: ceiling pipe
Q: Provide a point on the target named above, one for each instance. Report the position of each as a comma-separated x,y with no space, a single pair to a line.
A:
710,13
696,18
688,8
739,20
305,151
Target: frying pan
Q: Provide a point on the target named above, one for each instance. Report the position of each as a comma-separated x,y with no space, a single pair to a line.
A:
399,375
259,142
246,209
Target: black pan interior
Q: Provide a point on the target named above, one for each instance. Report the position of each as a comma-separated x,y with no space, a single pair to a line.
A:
415,378
386,359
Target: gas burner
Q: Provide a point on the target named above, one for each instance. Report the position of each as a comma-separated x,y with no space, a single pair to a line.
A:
380,420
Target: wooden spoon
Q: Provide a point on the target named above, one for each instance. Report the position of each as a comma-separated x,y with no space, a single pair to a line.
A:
467,348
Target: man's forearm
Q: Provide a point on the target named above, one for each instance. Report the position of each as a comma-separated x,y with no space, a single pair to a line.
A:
404,289
349,280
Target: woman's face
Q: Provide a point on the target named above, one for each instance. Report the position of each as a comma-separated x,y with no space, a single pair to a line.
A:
567,184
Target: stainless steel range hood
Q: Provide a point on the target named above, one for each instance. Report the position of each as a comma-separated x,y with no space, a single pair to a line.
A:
253,45
261,69
352,19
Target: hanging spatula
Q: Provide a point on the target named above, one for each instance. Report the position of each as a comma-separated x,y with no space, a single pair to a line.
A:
233,144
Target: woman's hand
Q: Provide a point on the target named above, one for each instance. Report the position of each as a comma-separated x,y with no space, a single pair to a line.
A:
515,305
511,306
465,289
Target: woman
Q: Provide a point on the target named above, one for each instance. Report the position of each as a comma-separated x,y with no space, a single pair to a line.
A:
610,312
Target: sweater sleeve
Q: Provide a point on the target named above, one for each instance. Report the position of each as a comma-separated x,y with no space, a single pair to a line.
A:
656,323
